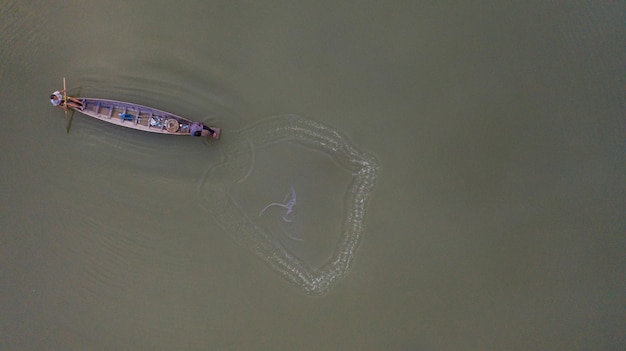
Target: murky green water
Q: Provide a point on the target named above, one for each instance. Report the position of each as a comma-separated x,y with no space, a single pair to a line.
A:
449,177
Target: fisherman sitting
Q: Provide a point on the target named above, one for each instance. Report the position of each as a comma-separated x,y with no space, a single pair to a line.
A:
199,129
57,100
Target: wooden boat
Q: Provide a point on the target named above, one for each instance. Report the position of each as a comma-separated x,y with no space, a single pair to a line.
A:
136,116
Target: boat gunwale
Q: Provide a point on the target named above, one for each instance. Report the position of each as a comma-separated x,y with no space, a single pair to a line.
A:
99,105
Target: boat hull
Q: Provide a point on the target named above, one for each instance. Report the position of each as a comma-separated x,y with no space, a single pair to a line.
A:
139,117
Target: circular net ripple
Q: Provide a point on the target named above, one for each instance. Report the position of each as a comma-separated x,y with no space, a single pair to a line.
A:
238,151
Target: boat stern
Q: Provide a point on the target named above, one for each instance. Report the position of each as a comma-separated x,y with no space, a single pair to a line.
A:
213,133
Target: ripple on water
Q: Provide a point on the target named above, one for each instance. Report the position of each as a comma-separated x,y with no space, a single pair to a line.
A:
120,219
333,181
114,249
22,35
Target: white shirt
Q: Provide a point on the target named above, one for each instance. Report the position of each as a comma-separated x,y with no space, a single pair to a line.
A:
59,98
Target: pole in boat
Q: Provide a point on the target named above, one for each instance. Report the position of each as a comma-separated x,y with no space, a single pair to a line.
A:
65,99
69,122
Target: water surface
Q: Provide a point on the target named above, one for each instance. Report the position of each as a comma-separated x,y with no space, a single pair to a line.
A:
494,222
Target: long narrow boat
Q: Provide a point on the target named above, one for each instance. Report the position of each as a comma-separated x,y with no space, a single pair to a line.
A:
134,116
